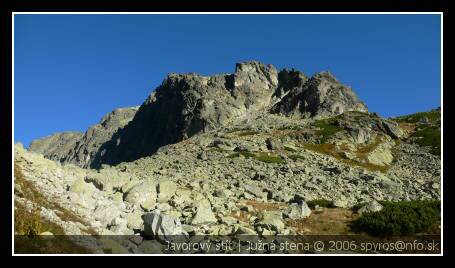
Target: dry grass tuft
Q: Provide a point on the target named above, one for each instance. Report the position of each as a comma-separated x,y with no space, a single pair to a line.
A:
30,192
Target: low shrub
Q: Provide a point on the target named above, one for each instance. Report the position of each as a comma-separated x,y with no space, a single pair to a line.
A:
327,128
399,218
269,159
324,203
429,136
358,206
432,116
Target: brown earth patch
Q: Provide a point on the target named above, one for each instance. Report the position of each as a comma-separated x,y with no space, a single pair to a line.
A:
329,221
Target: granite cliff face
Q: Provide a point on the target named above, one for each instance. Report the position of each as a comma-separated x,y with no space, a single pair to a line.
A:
187,104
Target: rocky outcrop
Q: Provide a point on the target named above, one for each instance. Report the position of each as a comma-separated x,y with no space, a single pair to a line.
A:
79,149
99,134
188,104
321,95
57,146
161,226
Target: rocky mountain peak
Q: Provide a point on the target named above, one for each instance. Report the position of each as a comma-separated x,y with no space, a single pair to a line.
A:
325,75
252,72
187,104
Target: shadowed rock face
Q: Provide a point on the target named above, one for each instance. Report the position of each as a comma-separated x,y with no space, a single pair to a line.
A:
321,95
187,104
79,148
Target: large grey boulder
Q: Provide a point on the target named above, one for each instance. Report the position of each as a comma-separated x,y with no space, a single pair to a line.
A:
166,190
271,221
204,214
106,213
107,179
297,211
382,154
162,227
254,190
392,129
82,188
372,206
142,195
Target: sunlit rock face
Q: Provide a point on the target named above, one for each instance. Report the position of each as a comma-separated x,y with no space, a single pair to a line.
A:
321,95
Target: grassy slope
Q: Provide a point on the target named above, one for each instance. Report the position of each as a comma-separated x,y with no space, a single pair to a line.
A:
425,133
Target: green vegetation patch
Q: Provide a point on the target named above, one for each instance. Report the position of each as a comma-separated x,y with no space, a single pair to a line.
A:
433,116
296,157
289,149
327,128
399,218
269,159
429,136
324,203
245,154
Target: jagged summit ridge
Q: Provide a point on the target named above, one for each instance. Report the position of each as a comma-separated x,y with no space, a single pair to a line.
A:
322,94
188,104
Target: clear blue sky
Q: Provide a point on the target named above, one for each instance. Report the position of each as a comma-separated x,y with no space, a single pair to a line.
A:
72,69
